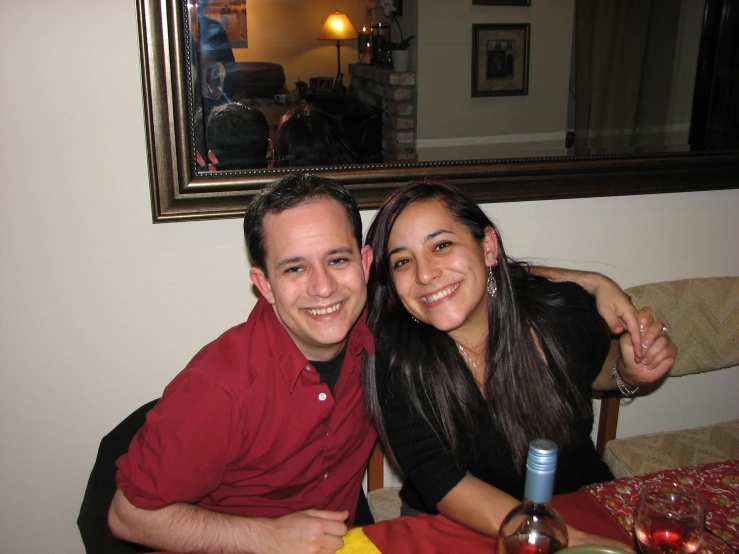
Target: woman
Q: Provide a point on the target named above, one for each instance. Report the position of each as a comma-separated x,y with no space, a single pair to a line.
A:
308,136
475,356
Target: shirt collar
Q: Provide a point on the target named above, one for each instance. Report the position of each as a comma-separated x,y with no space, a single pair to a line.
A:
285,354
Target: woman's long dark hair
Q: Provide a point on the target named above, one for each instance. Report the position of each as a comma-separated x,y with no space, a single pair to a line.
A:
525,397
308,136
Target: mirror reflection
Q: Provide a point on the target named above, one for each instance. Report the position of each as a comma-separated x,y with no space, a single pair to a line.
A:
606,77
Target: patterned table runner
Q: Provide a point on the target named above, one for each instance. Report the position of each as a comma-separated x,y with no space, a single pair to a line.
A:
718,483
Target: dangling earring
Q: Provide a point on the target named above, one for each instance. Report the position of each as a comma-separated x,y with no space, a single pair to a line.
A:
492,286
414,319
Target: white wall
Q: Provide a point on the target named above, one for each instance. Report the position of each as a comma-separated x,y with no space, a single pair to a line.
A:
450,121
99,308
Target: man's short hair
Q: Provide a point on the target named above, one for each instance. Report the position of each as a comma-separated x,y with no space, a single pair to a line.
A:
287,193
238,135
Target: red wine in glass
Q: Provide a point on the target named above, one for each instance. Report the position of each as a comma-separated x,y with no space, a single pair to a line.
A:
669,519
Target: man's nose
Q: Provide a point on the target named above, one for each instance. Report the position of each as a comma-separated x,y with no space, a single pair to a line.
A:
322,282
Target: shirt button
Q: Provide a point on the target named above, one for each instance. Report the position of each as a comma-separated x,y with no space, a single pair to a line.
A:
322,396
307,368
325,476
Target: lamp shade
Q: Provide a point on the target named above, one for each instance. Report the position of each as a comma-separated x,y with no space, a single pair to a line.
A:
337,27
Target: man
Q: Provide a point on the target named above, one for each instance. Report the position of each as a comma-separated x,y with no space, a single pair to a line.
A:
237,137
259,445
266,423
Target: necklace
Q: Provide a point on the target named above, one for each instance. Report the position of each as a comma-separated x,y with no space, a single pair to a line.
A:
466,354
479,378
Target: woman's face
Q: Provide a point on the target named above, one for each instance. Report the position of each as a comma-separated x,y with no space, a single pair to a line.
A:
440,270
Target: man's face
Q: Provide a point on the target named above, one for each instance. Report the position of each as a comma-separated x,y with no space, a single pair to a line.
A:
317,275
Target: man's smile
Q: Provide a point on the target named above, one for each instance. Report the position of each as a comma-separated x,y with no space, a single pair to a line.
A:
323,311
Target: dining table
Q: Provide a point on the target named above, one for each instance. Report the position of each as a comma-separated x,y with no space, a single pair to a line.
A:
605,509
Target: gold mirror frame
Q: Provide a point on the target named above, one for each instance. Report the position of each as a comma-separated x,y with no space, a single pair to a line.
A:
178,194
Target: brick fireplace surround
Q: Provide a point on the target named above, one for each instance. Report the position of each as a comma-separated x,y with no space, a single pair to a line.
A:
395,94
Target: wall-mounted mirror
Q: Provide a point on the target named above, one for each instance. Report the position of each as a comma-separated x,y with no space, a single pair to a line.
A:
571,135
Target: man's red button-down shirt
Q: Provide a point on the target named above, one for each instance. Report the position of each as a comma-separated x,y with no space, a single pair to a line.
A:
247,428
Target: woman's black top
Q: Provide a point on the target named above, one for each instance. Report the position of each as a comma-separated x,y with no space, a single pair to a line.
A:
427,460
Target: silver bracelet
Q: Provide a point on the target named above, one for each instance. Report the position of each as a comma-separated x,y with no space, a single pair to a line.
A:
625,390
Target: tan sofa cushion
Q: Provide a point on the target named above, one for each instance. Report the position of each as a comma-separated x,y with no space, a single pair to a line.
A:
702,316
661,451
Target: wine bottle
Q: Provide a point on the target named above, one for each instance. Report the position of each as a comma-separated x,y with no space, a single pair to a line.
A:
534,527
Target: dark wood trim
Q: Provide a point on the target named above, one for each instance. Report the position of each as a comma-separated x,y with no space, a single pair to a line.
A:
607,420
375,469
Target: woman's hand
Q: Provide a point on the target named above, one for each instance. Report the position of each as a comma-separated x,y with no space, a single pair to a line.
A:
577,537
658,351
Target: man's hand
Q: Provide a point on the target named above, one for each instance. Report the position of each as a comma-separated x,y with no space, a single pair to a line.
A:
659,352
615,306
307,532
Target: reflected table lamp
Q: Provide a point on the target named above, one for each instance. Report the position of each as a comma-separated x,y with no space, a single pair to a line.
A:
337,27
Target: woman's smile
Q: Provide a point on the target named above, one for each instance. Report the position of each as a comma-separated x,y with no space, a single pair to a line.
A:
442,294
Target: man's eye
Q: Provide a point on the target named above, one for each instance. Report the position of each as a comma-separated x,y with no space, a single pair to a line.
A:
293,269
337,261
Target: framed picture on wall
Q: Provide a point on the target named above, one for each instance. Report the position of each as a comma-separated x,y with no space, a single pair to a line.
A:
231,14
500,59
321,84
503,2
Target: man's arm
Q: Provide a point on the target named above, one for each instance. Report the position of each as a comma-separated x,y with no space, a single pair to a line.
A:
187,528
613,304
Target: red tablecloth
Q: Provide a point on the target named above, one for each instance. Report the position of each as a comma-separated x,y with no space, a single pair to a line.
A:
718,483
426,534
604,509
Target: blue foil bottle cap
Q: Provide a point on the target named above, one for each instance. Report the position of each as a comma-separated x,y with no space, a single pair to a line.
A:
541,466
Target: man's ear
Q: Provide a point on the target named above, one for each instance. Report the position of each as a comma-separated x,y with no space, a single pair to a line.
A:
262,283
490,245
367,257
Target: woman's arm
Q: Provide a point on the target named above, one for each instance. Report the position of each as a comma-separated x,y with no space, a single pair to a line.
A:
613,304
481,507
477,505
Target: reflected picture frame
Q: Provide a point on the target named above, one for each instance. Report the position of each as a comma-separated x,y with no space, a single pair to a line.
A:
231,14
500,59
321,84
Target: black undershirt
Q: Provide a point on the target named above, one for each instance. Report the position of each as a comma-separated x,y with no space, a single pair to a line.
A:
330,369
329,372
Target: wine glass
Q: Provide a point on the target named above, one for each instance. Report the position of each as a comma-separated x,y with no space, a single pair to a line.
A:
669,519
